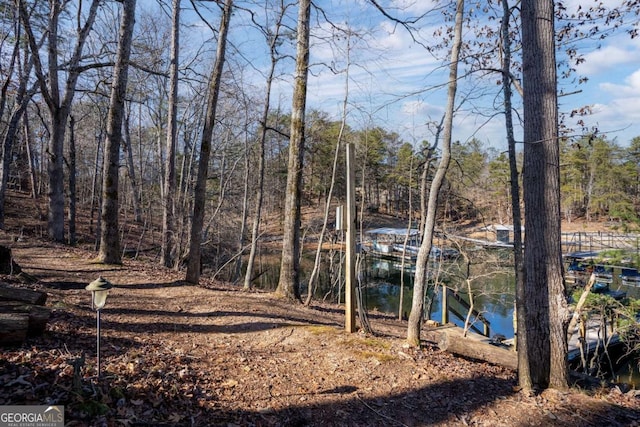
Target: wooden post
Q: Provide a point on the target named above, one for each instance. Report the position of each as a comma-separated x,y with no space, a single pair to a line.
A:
445,305
350,261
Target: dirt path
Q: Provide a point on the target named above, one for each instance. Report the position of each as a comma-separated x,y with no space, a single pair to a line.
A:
176,354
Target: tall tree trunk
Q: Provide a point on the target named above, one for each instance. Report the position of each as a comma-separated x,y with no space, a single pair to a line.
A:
59,114
520,305
200,191
135,194
546,316
589,189
72,181
55,172
32,169
242,238
95,191
167,255
288,284
424,179
109,252
406,242
419,286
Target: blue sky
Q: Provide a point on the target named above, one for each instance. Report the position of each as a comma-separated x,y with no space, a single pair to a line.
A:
397,84
614,87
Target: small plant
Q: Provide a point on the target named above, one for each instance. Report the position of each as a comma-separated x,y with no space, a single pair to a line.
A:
380,357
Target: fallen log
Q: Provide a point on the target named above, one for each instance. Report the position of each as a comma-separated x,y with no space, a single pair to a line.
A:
38,316
455,343
29,296
22,314
13,328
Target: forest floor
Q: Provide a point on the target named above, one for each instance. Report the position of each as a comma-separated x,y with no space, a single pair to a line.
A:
178,354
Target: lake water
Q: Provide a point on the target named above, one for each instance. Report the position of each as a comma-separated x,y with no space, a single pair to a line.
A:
493,292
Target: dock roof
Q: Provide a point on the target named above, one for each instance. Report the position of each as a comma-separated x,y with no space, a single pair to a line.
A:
393,231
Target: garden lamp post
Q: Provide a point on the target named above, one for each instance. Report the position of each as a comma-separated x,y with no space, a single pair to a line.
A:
99,289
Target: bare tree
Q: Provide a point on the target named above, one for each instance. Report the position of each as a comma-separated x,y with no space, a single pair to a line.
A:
22,97
7,69
168,209
419,287
71,164
59,104
274,39
288,284
316,265
109,252
193,266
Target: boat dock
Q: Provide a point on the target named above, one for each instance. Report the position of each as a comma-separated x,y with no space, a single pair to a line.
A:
595,339
597,241
399,244
450,337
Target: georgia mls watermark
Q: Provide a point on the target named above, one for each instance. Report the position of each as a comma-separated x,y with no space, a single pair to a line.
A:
32,416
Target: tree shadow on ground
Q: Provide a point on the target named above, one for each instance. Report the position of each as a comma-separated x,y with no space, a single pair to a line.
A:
145,286
65,285
45,273
80,336
462,401
195,326
207,402
159,327
449,402
445,402
339,310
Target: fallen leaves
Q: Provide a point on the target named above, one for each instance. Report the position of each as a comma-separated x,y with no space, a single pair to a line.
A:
229,383
235,358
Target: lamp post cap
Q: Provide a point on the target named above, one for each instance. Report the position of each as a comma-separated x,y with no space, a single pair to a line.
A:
100,284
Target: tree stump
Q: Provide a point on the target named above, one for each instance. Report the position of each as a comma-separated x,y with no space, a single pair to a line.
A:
7,265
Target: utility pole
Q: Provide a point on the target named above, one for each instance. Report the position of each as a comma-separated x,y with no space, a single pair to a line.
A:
350,261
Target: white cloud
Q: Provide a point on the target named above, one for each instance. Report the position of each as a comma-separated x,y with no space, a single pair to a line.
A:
630,89
618,52
618,119
634,80
414,108
392,37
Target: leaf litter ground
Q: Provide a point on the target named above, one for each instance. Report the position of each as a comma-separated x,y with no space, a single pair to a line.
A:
177,354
